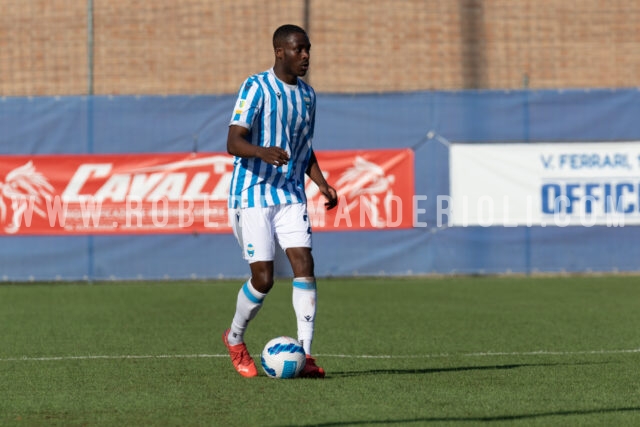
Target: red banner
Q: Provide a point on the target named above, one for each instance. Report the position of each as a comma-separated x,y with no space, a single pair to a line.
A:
186,192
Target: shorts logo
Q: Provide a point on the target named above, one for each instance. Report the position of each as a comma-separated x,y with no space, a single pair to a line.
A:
250,250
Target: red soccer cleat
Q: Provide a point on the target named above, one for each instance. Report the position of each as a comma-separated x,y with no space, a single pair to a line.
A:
311,370
240,358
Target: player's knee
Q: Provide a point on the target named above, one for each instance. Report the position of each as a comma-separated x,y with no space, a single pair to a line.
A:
262,281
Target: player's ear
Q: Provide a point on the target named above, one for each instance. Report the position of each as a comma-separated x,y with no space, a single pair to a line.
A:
279,52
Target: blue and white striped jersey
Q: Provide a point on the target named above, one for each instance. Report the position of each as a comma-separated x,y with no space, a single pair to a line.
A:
276,114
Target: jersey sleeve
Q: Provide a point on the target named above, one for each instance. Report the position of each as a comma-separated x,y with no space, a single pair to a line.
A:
248,105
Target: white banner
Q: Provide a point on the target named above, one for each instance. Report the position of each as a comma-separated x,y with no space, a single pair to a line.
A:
550,184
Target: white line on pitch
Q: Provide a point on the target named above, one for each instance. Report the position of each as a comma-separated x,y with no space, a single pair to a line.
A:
344,356
94,357
485,354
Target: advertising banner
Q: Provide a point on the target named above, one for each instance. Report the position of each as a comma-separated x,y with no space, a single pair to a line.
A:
186,192
559,184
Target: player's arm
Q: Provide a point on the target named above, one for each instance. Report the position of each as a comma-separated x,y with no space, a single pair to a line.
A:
315,173
238,145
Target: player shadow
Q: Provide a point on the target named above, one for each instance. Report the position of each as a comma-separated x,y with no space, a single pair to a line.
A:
453,369
470,419
487,419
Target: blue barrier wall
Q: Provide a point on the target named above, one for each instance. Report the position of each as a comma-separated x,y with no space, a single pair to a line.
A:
425,121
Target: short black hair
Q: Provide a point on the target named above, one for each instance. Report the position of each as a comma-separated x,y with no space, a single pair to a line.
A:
283,32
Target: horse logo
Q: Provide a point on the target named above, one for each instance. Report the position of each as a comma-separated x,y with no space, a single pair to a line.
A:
25,190
366,183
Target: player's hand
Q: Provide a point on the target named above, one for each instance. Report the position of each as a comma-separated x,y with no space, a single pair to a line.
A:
273,155
332,197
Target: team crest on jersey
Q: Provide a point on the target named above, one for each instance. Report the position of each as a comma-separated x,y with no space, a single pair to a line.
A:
241,106
307,101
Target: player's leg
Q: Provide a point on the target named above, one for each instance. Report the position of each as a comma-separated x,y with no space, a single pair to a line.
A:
294,235
304,297
250,299
293,230
254,234
304,293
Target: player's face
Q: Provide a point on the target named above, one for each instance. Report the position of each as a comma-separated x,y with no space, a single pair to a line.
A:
295,54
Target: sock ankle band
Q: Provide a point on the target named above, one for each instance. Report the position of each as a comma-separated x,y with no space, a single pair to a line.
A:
304,284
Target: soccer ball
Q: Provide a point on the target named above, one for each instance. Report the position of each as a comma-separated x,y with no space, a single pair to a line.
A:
283,357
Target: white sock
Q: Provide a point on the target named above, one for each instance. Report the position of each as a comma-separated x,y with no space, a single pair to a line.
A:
247,306
304,304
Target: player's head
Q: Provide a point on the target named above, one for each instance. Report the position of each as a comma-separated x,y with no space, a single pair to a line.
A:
291,47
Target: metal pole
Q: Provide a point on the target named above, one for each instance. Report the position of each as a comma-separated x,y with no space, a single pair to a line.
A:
307,15
526,136
307,27
90,240
90,47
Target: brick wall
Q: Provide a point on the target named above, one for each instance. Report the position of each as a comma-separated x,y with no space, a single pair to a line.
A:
207,46
43,47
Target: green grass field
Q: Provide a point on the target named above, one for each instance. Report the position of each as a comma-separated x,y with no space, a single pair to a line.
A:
423,351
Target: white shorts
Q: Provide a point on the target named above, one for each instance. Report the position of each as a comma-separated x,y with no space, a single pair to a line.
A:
257,229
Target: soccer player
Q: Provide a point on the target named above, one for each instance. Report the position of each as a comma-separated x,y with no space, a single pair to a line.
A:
270,135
